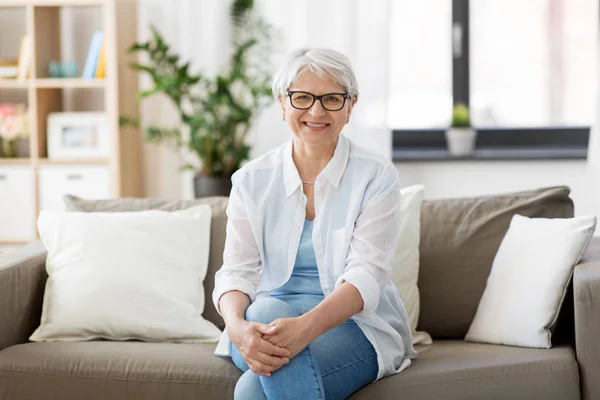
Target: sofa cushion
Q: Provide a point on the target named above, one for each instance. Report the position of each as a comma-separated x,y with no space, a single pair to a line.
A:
129,275
115,370
529,280
405,268
459,240
456,370
217,231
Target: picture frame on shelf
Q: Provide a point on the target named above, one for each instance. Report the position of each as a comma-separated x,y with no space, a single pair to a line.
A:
78,135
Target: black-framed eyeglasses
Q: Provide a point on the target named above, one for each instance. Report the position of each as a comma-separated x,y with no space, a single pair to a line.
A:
330,101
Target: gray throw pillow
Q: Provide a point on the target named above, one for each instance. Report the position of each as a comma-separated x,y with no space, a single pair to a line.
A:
217,231
459,240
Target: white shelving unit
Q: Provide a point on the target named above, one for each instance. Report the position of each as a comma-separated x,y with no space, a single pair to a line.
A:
28,185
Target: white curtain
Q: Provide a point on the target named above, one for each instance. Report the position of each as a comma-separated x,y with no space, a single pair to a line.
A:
199,31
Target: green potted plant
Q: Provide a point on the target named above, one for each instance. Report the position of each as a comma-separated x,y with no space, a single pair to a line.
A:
461,136
217,112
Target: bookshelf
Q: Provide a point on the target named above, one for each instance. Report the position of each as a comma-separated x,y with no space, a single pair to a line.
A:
12,83
66,83
30,184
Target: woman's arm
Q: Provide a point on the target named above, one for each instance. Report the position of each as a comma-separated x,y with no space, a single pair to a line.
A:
241,259
235,288
337,308
374,242
233,306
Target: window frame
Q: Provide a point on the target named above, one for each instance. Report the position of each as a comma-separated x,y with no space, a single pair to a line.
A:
540,142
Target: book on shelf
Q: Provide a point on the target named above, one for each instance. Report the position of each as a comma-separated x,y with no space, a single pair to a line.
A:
91,62
9,67
25,57
101,68
8,72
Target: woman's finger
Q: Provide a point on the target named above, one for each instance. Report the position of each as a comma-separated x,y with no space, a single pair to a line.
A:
258,344
275,340
269,348
258,368
261,328
272,361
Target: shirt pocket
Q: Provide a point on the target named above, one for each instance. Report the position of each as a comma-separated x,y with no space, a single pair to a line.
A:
340,246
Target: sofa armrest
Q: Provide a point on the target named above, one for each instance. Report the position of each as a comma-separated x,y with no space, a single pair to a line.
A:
22,281
586,287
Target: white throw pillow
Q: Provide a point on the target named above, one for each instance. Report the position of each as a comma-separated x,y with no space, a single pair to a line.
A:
126,275
405,270
528,280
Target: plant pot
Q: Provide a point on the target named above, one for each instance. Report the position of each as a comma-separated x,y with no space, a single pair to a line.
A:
205,186
461,141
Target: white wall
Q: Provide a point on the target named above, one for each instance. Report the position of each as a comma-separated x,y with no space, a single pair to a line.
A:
458,179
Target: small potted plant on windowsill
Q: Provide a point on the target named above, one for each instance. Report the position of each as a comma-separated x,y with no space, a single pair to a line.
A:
461,136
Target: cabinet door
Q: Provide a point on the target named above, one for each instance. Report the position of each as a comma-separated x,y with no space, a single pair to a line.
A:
88,182
17,204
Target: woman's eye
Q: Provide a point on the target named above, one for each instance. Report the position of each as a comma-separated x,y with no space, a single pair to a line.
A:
332,99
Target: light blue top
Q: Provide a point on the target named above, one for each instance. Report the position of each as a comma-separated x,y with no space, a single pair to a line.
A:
305,275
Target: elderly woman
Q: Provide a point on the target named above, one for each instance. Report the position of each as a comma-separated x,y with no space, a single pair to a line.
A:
305,288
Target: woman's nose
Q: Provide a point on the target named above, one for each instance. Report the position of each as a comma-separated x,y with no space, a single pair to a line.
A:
316,109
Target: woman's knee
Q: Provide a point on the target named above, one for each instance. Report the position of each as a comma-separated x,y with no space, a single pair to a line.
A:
268,309
249,387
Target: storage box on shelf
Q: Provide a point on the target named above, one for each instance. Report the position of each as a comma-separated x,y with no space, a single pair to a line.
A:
58,180
29,185
17,203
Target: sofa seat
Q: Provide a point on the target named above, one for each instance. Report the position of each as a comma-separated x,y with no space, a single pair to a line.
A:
135,370
457,370
103,370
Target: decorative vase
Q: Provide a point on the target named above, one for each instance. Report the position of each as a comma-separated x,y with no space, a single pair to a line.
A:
461,141
9,148
22,147
205,186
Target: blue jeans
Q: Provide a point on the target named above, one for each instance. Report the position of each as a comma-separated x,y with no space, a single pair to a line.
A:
333,366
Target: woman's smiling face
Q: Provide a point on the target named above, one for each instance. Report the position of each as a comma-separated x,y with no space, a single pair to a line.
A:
316,125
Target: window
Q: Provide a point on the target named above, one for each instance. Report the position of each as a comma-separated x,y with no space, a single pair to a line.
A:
527,69
421,64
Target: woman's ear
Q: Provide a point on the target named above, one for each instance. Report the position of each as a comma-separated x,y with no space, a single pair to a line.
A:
281,103
350,107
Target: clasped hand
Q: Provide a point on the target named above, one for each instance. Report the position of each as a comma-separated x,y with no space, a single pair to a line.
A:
266,348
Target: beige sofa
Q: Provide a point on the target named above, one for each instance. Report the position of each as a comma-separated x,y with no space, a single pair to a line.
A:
459,238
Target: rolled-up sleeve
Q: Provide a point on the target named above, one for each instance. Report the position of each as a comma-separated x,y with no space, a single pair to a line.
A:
374,242
241,259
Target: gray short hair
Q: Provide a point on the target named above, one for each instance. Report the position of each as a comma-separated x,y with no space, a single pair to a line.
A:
322,62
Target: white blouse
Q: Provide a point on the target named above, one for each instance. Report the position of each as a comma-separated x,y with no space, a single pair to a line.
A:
355,234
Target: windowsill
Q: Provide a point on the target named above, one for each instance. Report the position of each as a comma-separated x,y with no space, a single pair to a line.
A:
491,154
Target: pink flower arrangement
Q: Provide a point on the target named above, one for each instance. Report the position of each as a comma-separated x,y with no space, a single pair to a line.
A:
13,121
